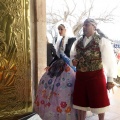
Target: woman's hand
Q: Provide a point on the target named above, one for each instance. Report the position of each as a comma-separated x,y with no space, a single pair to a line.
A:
74,62
47,68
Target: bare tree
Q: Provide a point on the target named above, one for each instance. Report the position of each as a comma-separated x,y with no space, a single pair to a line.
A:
69,15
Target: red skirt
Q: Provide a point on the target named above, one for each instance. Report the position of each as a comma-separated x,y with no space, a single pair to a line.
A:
90,89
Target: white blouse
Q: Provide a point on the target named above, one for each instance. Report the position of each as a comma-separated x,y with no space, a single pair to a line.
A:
108,57
57,46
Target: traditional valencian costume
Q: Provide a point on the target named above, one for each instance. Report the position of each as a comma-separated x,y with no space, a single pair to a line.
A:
54,94
96,62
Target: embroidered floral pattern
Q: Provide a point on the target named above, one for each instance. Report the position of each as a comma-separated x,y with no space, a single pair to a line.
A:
50,81
59,109
54,95
68,110
63,104
69,84
42,101
90,56
48,104
58,84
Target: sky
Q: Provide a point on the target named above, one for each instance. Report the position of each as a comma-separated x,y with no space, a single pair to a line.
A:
100,7
112,30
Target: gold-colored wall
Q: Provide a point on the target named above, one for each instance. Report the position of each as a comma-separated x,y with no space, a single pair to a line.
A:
22,55
15,60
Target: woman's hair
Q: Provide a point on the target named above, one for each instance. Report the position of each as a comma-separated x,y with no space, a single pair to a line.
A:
61,25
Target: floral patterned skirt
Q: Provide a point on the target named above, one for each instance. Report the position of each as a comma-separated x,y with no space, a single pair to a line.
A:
54,94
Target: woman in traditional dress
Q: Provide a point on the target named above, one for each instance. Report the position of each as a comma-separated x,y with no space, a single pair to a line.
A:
54,94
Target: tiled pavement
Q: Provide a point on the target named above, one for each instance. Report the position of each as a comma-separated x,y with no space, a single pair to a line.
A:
114,111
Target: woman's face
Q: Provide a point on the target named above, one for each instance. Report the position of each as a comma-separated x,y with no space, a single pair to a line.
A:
61,30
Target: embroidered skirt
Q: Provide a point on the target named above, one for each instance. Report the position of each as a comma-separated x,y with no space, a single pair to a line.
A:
90,91
54,94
